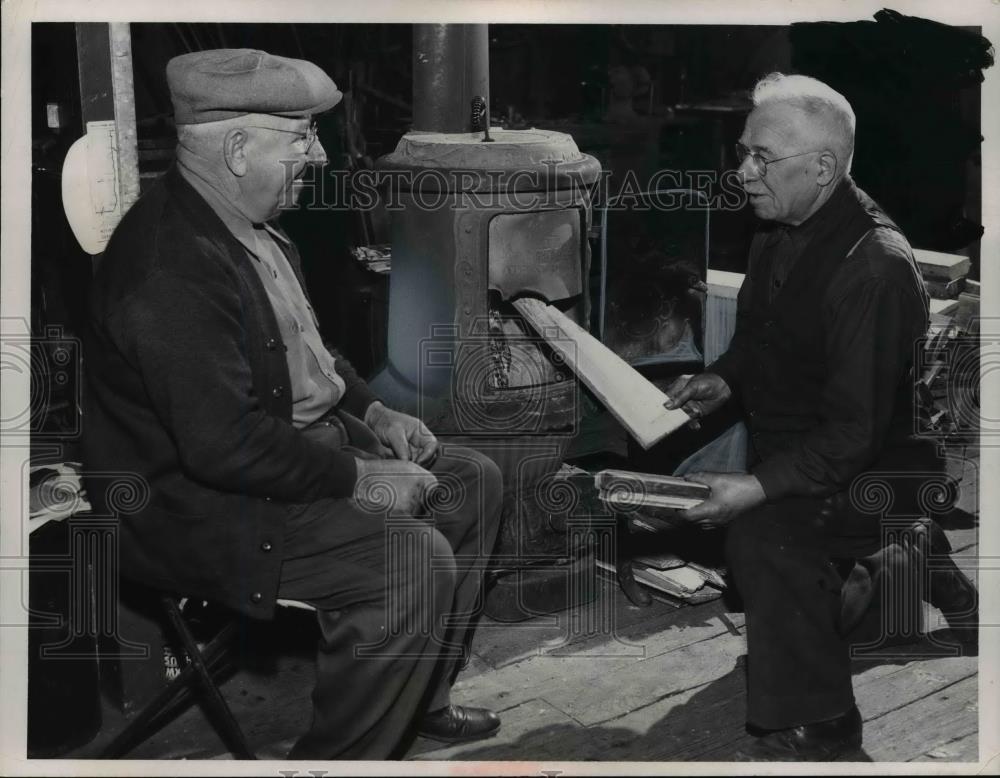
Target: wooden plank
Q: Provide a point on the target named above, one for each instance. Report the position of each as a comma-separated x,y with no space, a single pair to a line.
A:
720,312
709,719
639,485
614,691
708,723
937,264
630,397
924,724
963,541
497,644
722,283
962,749
878,694
572,678
943,307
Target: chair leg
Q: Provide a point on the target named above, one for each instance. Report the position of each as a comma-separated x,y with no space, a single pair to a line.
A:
204,663
214,700
138,729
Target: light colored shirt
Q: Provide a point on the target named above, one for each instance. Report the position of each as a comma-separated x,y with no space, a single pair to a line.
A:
315,385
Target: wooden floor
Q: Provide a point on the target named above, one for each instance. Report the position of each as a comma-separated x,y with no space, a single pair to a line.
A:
614,682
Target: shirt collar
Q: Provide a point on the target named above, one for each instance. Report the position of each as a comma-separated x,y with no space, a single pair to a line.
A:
807,229
830,208
224,199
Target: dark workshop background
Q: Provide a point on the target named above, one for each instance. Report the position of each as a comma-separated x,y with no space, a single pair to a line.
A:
640,98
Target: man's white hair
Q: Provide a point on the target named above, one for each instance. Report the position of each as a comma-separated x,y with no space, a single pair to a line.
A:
827,110
208,135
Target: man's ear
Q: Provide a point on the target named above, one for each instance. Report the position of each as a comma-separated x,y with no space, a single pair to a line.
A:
234,150
827,168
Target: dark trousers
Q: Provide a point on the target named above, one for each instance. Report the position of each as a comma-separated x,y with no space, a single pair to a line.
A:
793,562
395,598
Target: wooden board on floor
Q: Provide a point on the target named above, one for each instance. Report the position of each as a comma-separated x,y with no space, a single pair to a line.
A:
614,692
913,730
681,727
497,644
550,676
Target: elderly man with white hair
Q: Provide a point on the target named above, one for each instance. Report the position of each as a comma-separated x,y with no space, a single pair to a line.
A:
822,364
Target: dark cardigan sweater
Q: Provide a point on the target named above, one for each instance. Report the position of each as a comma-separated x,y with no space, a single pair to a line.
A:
187,387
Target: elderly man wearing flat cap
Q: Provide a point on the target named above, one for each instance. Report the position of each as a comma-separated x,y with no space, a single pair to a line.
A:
273,471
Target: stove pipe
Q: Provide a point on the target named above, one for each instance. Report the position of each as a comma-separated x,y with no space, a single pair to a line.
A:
451,67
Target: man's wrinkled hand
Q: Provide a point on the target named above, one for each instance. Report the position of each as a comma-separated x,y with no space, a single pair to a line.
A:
394,485
406,436
732,494
698,395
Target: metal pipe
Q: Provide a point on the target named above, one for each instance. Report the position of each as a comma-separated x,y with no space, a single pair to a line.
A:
451,65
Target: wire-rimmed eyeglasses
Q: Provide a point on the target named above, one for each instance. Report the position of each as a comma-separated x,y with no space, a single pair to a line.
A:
309,135
760,163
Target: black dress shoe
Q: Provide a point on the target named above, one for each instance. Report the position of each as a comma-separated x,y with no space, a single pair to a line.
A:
824,741
457,724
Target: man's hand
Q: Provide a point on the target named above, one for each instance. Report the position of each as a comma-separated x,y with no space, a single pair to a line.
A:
392,484
408,437
732,494
699,395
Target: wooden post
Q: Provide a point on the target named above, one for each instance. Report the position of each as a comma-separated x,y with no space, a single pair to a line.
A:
104,57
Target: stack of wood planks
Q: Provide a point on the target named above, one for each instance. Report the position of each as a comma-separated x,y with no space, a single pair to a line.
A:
944,274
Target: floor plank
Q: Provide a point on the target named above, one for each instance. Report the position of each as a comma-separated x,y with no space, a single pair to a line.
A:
553,677
924,724
707,719
880,694
498,644
962,749
611,693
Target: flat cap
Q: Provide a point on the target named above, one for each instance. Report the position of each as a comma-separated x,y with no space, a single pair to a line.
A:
209,86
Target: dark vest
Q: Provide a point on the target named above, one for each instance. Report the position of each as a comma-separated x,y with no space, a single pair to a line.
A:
785,350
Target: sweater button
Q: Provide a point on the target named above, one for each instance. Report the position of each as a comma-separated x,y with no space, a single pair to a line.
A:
277,391
267,499
266,546
271,344
256,597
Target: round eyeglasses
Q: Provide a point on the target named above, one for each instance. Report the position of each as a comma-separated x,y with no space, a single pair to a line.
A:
309,135
760,163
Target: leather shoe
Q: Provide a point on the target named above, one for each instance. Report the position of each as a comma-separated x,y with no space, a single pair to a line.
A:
824,741
458,724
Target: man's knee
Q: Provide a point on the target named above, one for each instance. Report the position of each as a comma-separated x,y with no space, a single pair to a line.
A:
474,467
422,578
469,482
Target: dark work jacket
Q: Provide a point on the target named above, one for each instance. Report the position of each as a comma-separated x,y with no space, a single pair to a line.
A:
187,393
824,371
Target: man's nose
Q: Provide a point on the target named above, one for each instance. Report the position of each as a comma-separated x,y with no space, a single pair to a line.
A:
317,154
747,169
